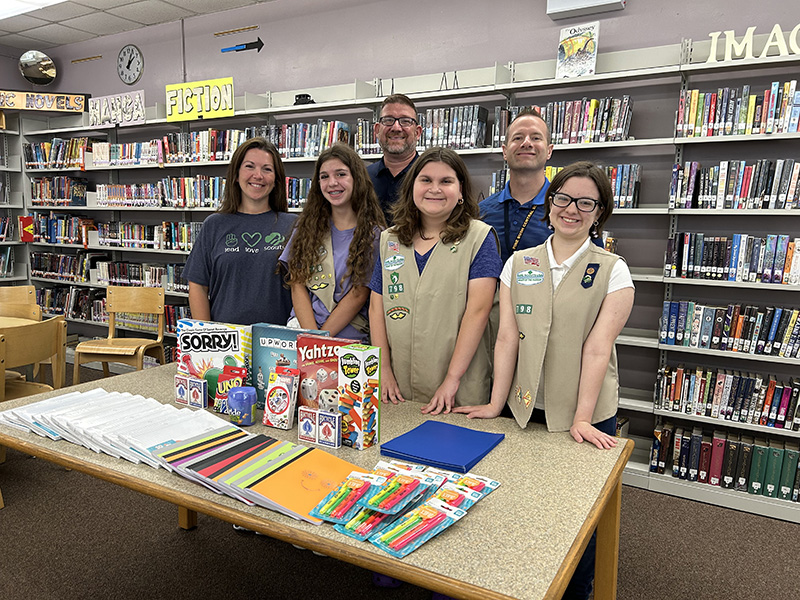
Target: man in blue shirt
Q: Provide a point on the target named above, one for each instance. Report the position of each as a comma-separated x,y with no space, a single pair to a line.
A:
516,211
397,131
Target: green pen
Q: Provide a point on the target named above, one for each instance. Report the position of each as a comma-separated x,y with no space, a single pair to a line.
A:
378,498
401,529
335,501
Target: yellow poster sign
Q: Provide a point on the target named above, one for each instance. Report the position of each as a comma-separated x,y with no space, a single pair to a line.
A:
193,100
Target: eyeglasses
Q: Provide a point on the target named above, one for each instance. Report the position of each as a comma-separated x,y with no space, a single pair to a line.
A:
405,122
584,204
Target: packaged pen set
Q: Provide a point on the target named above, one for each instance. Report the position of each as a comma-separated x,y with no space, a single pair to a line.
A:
399,506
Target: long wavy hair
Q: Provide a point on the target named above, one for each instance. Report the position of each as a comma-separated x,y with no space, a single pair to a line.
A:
232,198
407,218
315,222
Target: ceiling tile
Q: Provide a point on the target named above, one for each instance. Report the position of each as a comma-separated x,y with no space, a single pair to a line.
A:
210,6
58,34
151,12
103,4
59,12
24,43
101,23
21,23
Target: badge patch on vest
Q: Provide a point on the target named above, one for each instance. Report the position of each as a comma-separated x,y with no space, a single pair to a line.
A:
530,260
520,397
318,286
398,312
524,309
393,246
394,262
521,335
530,277
590,274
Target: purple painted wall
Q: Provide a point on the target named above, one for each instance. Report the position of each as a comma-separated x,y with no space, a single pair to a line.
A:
310,43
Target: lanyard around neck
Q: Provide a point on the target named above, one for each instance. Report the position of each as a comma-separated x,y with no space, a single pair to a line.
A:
512,248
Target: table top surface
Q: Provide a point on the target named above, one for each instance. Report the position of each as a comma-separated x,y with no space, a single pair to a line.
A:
510,544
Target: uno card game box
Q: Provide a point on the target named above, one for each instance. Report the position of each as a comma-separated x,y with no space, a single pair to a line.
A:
318,361
360,395
274,346
205,348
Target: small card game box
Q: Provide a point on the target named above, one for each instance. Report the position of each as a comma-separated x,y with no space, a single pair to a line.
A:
206,347
360,395
317,426
230,377
281,398
318,361
307,424
191,391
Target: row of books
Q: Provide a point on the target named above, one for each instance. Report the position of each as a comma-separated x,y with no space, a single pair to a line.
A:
173,192
735,184
65,267
62,190
297,191
6,229
625,182
7,261
575,121
107,154
747,329
122,272
55,228
728,460
739,257
58,153
458,127
169,235
739,111
729,396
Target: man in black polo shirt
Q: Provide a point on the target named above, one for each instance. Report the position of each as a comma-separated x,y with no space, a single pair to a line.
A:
397,131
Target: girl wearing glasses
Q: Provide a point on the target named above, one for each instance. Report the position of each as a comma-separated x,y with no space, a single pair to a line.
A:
432,289
330,256
562,305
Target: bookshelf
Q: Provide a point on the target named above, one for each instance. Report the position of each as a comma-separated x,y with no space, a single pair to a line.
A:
653,77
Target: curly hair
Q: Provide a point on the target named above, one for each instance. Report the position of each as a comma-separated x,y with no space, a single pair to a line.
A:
583,168
315,222
232,199
407,218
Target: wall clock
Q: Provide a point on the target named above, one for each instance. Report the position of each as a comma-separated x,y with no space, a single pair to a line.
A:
130,64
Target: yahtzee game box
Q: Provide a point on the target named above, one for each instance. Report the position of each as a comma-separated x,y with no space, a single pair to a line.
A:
274,346
205,348
318,361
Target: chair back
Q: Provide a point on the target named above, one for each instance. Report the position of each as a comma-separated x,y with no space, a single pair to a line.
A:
127,299
37,342
18,293
21,310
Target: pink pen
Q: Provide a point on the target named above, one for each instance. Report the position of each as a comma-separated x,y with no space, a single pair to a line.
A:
399,495
351,500
418,531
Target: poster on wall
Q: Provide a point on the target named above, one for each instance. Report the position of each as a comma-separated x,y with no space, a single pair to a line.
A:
118,109
74,103
210,99
577,50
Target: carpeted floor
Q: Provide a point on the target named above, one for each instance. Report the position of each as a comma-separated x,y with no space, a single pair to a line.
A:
64,534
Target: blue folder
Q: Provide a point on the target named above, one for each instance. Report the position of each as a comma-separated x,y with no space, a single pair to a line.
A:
442,445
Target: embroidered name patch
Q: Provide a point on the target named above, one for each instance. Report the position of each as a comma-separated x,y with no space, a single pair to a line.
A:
530,277
588,276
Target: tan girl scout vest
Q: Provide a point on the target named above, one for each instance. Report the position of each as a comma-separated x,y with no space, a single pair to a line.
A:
423,316
552,329
323,283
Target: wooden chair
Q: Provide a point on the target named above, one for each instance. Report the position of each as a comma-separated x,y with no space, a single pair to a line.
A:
25,294
30,344
22,311
127,350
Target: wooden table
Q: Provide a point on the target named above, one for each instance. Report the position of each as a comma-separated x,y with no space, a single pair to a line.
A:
522,541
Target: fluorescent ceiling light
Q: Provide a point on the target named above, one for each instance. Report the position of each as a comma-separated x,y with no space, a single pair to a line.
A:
11,8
